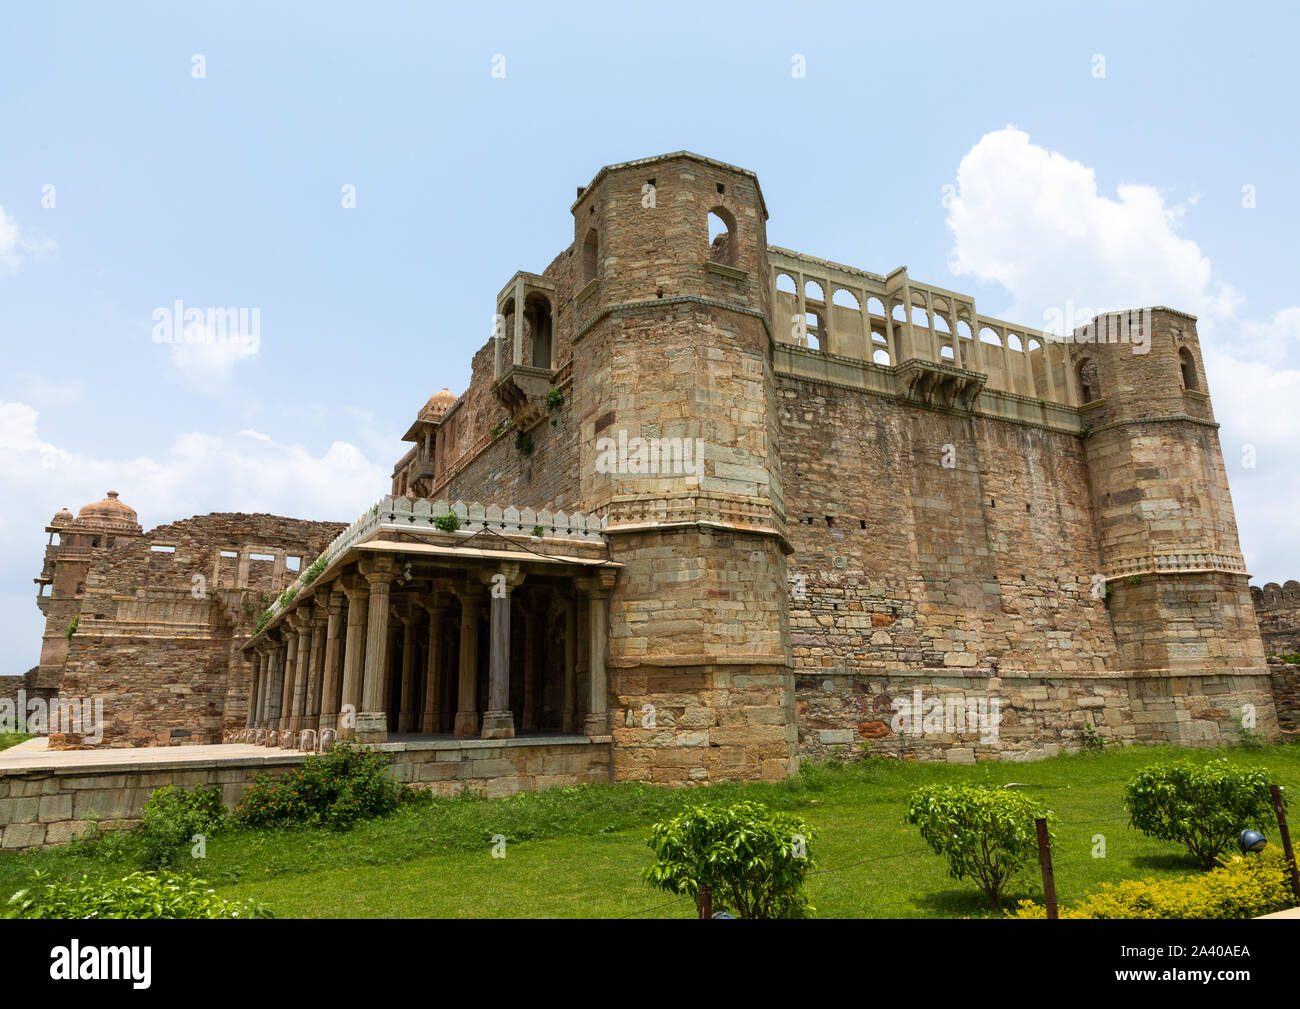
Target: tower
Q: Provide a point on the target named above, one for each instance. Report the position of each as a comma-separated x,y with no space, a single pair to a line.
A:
674,392
1175,581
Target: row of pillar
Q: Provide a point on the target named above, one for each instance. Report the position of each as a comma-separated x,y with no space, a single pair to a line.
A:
326,666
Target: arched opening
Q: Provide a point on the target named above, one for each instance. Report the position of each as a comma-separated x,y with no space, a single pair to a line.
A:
1013,342
1089,386
1187,364
946,353
589,260
722,236
920,317
785,284
990,336
963,329
899,313
537,322
880,356
846,299
875,307
813,330
812,291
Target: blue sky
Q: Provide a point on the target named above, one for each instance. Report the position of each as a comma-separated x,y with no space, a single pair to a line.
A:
225,190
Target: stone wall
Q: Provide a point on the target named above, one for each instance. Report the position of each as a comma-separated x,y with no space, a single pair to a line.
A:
1286,696
925,540
1277,607
53,804
159,631
1019,716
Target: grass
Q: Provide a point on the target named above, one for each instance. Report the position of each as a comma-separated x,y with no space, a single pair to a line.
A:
578,852
8,739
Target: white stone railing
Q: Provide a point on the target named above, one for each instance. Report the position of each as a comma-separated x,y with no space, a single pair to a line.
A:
402,513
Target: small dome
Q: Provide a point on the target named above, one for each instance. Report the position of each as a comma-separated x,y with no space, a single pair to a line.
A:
61,517
439,403
108,510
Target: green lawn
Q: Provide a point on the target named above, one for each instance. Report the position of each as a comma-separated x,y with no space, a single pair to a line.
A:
8,739
579,852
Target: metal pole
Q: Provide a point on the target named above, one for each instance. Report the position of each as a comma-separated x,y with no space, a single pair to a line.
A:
1276,792
1045,863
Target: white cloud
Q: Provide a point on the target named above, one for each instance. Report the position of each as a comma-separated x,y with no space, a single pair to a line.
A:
1035,221
200,473
16,243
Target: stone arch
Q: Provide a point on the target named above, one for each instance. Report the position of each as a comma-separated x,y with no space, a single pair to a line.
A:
875,307
793,288
723,239
1089,384
881,356
990,336
850,300
1187,366
590,252
538,329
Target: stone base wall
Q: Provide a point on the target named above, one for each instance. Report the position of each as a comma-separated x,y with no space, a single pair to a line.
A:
695,725
1035,716
42,806
1286,696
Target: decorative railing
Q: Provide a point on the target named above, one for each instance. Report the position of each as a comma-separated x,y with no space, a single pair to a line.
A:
403,514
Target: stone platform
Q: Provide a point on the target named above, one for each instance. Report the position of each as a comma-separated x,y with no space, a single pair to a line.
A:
49,797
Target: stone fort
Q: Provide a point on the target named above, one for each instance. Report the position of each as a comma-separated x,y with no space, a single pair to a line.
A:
709,506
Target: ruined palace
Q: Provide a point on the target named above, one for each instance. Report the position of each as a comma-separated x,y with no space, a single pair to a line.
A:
709,506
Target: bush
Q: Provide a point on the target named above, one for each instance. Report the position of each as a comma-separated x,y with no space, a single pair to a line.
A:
986,833
172,817
448,523
139,895
1203,807
755,860
1243,887
334,790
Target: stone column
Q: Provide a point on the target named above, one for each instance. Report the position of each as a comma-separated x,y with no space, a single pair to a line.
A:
354,650
372,722
302,624
408,718
316,669
290,672
570,723
254,676
499,720
598,589
431,718
332,681
466,705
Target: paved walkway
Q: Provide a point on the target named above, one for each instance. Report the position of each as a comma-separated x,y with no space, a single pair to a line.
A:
29,757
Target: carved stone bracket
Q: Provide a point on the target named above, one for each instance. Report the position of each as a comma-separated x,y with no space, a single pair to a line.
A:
940,385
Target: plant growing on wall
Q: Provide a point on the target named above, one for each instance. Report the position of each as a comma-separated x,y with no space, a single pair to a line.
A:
554,399
72,628
448,523
524,442
313,572
262,621
538,532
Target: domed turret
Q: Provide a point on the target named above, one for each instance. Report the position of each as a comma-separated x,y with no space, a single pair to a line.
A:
109,513
439,403
62,517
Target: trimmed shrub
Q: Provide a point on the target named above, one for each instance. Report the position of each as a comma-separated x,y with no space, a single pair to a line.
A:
986,833
172,817
1242,887
1203,807
336,790
754,859
139,895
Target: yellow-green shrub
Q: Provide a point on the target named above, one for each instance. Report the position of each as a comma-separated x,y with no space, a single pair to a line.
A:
1244,886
